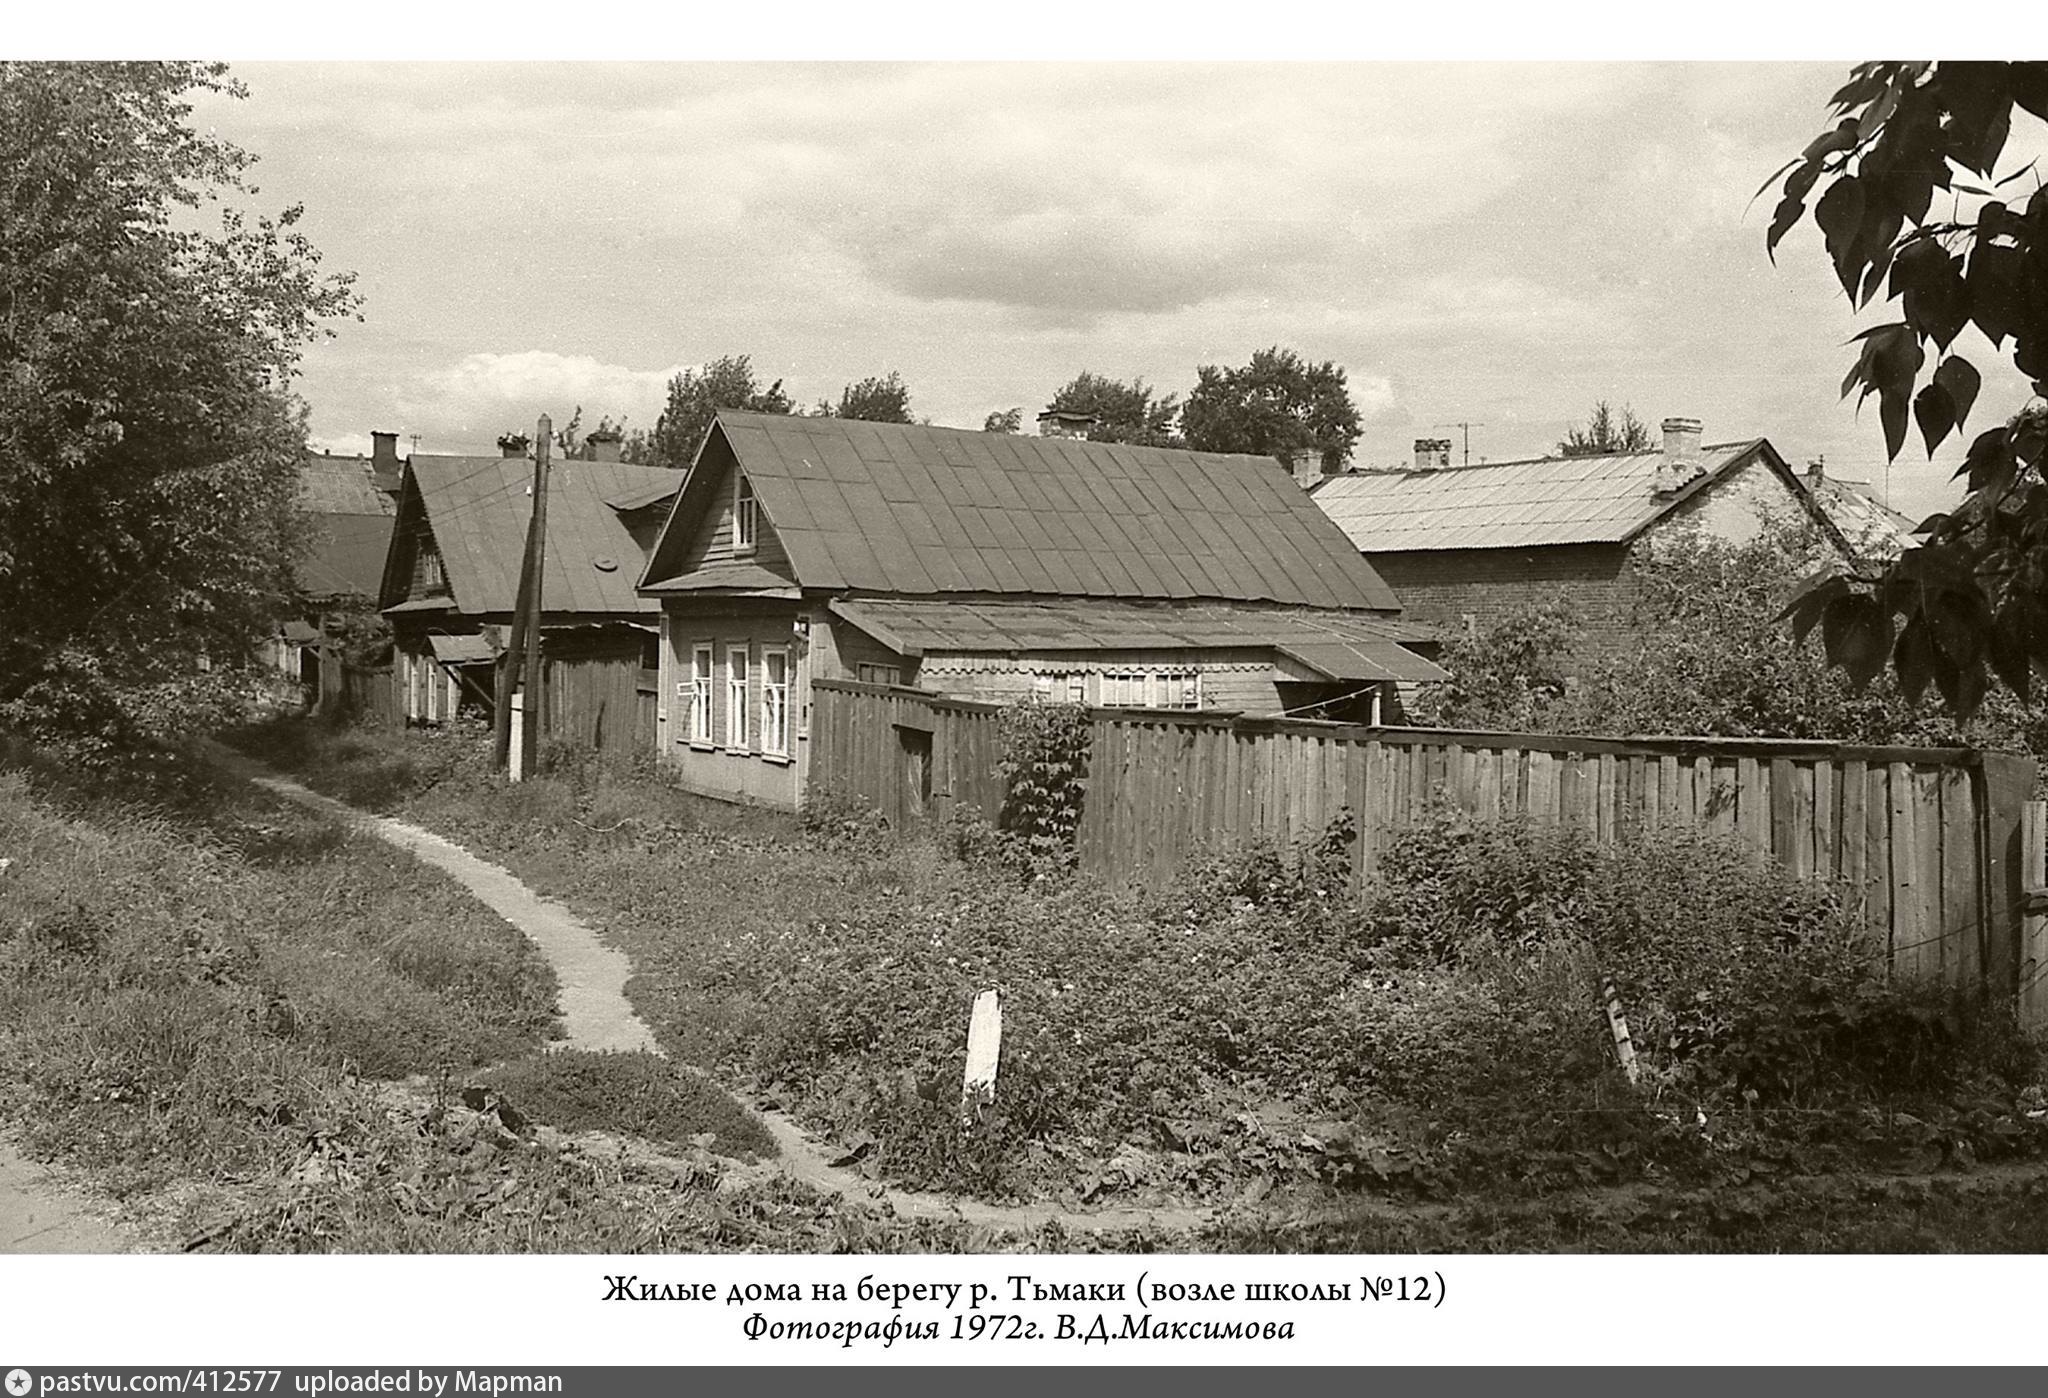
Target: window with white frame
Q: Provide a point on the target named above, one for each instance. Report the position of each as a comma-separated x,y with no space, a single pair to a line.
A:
775,702
743,514
1061,687
1152,689
736,697
700,693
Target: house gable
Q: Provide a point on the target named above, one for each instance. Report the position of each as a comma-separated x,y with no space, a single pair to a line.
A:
414,569
698,539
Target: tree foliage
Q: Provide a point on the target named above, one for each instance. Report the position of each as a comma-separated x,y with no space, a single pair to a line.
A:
152,449
1709,654
1606,433
694,398
1277,405
872,400
1904,189
1123,412
1006,420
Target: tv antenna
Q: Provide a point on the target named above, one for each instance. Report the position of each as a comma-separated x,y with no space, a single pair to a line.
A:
1464,428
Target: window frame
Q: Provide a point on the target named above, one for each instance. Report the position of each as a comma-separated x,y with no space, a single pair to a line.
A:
775,704
746,516
702,662
738,693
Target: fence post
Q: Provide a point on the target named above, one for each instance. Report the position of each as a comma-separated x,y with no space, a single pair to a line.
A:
2033,998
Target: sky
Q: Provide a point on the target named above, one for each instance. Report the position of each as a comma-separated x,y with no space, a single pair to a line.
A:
1487,243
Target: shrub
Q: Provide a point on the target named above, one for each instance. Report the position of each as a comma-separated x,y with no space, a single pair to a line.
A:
1044,766
636,1094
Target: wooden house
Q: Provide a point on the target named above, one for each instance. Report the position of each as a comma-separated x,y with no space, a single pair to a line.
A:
995,566
348,504
451,581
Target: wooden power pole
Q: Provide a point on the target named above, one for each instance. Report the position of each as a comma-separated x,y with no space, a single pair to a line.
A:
522,652
529,757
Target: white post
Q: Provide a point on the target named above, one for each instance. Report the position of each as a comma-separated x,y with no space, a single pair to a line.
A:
1617,1025
984,1048
518,768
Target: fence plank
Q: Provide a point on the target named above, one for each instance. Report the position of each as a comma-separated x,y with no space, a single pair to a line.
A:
1854,838
1962,912
2033,950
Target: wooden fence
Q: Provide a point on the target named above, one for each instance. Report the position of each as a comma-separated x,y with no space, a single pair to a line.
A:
1925,843
363,692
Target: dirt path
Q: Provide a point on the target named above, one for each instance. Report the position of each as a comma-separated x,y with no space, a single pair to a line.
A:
597,1016
37,1216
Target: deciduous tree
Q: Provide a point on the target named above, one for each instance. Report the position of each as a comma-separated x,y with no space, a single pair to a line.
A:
1005,420
151,446
872,400
1906,189
694,398
1123,412
1277,405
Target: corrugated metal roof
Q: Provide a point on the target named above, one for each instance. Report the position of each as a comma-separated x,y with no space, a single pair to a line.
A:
1873,529
887,508
478,506
347,557
1088,624
1512,504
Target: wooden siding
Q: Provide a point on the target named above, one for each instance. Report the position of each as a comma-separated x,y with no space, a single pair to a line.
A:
1924,842
710,545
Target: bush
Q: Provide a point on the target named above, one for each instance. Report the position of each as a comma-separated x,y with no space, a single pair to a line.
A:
637,1094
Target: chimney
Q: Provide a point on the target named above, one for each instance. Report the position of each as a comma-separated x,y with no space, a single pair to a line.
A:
602,446
514,444
1681,459
384,453
1432,453
1306,466
1816,470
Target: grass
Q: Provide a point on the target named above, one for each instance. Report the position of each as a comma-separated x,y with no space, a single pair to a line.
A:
634,1094
1178,1048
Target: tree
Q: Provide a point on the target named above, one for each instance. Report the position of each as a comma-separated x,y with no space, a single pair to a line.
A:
1006,420
1606,434
1973,602
1277,405
695,396
148,527
872,400
1123,412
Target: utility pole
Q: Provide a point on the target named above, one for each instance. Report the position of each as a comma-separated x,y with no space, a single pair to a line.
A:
529,758
1466,429
523,650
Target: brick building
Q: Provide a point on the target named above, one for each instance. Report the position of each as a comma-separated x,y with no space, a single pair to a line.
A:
1464,546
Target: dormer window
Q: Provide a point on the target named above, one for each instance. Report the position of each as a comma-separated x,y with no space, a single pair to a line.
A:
743,515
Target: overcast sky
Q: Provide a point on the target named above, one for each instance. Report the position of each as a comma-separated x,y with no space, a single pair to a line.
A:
1477,242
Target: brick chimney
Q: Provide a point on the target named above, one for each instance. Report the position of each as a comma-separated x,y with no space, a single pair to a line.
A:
384,453
1432,453
1680,461
603,446
513,444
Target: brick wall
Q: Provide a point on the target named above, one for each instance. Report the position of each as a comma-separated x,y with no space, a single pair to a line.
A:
1447,586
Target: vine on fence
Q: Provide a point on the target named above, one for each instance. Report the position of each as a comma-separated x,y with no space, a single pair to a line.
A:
1044,766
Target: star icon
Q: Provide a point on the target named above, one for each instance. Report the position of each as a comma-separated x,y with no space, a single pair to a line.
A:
19,1382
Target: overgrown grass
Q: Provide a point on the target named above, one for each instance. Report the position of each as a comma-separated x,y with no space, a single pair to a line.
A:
1255,1025
637,1094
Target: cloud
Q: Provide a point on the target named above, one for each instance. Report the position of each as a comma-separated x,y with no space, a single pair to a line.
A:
486,393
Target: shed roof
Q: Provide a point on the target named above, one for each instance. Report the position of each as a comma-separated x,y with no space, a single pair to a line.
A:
1516,504
347,557
1341,644
478,506
880,507
1873,529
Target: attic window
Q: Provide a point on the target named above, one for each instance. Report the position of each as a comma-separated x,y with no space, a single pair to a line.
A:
743,516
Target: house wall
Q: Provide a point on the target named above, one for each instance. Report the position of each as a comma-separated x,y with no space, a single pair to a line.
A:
1244,681
1476,589
720,767
1736,508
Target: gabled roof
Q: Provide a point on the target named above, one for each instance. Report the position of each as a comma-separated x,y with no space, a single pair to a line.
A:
1340,644
1519,504
1873,529
477,508
347,557
884,508
341,485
